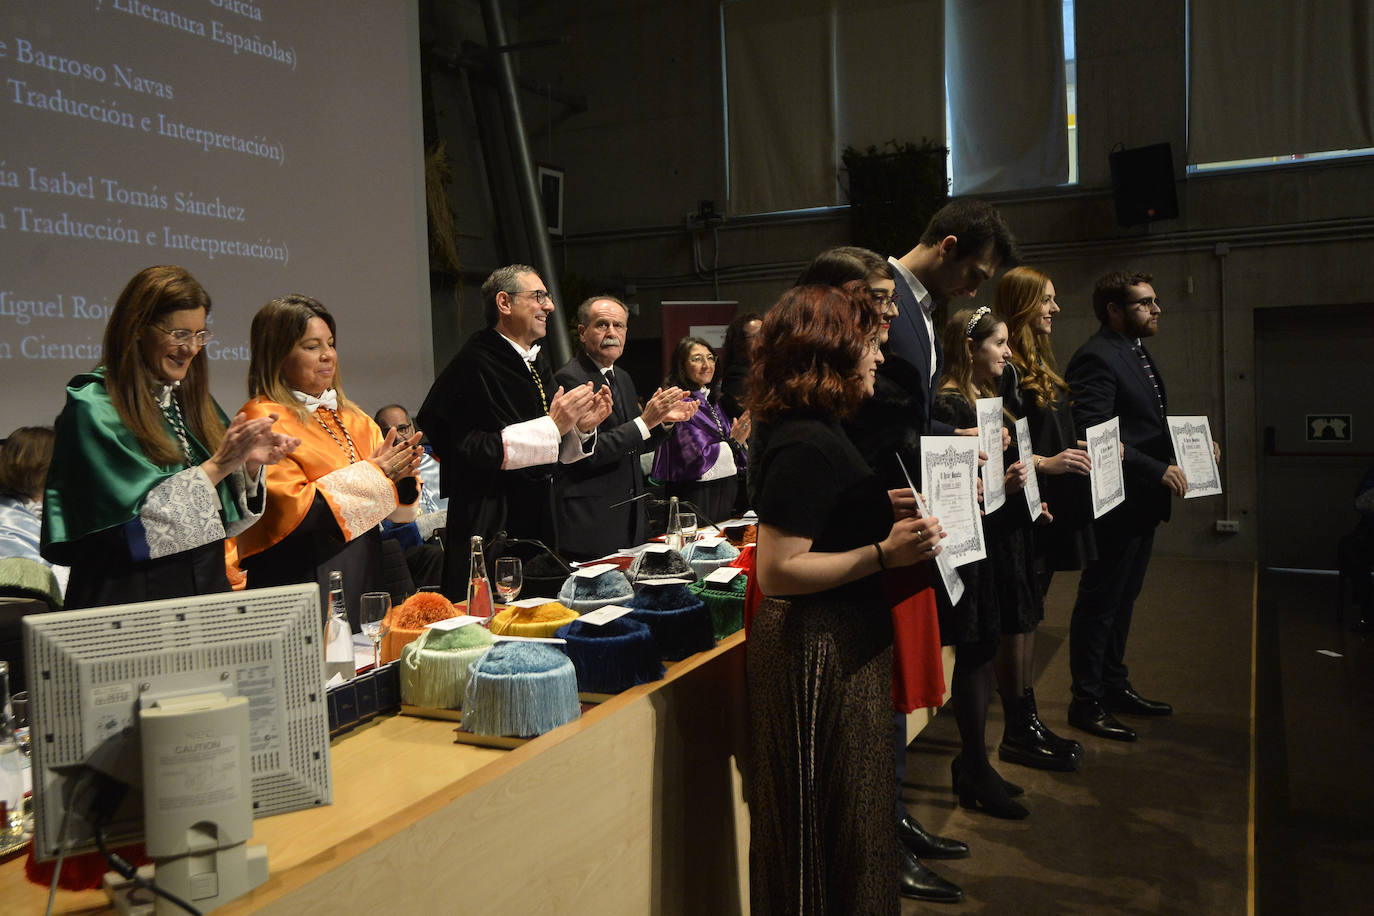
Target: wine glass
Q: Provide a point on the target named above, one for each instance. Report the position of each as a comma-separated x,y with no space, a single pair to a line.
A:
509,578
372,610
687,523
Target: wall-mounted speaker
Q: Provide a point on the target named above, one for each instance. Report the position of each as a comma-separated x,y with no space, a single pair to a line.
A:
1143,184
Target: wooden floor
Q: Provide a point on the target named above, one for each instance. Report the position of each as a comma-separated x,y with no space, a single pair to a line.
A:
1158,826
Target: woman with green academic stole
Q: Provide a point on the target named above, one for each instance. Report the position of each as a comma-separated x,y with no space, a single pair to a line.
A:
148,476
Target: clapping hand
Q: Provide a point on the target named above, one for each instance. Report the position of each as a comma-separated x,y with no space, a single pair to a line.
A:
398,457
668,405
596,410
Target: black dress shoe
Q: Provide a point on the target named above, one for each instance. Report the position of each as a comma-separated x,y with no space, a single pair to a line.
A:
926,845
1127,701
920,883
1094,719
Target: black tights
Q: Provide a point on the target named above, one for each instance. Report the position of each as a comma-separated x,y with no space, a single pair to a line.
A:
972,691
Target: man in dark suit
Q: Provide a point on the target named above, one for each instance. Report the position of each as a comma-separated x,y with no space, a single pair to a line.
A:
598,508
1113,375
965,243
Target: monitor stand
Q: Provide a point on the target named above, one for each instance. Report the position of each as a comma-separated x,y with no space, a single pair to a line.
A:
198,806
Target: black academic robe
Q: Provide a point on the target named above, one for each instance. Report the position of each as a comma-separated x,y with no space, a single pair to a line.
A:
588,525
486,388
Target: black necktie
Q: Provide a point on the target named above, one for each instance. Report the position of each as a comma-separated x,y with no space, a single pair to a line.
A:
617,406
1150,371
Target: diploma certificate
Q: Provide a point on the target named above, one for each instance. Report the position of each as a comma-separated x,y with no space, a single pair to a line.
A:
1107,480
949,480
1027,457
990,441
1192,438
949,576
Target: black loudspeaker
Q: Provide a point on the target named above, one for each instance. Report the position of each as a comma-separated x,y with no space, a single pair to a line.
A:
1143,184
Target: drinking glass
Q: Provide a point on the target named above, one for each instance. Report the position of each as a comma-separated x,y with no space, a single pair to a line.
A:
687,522
509,578
372,610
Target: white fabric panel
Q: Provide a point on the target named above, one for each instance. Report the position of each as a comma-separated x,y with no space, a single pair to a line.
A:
1269,78
779,76
890,70
1008,114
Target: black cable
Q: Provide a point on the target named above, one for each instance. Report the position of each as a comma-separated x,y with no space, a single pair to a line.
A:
109,798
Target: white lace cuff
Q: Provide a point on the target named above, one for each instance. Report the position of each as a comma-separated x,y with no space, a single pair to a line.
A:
360,495
530,444
249,497
180,513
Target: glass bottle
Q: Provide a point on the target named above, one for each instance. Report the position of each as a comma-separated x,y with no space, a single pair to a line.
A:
672,535
479,586
338,635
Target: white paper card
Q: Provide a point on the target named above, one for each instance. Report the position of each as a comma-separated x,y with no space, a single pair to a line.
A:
949,576
722,575
1106,477
990,441
709,542
548,639
591,572
605,614
657,548
1192,438
533,601
1026,455
949,480
453,623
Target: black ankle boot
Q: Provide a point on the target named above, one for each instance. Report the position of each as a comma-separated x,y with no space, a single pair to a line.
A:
1028,742
985,789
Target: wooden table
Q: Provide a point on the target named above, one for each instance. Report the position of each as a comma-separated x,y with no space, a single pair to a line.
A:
634,808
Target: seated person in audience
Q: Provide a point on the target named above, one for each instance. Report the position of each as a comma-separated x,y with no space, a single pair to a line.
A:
598,499
394,416
500,426
143,449
325,502
423,552
23,467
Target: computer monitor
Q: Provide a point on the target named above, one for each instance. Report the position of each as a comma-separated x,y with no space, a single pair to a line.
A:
211,710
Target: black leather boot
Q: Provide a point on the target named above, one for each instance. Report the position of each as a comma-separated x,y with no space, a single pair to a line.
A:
1028,742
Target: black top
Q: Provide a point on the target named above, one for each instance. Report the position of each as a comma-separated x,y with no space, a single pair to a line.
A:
807,479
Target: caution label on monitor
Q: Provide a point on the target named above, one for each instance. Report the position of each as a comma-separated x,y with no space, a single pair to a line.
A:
198,772
264,708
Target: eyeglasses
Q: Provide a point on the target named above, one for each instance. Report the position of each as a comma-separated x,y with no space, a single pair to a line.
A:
1149,302
882,297
873,345
402,429
184,338
541,296
700,360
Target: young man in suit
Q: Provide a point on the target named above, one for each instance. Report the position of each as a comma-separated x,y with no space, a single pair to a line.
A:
1113,375
598,508
965,243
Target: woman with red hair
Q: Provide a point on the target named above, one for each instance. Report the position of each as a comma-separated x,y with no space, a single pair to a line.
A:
819,666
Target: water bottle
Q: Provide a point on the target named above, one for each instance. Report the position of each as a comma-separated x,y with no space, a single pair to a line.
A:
338,635
479,586
672,536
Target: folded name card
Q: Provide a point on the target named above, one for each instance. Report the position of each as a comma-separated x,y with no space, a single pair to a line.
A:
453,623
723,576
591,572
605,615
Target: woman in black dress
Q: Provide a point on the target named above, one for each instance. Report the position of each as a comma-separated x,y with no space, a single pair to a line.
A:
819,666
998,595
1033,388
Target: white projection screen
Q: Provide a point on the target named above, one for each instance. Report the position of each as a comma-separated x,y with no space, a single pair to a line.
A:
268,147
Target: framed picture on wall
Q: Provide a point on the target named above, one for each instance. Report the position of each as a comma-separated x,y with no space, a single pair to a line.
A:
551,196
